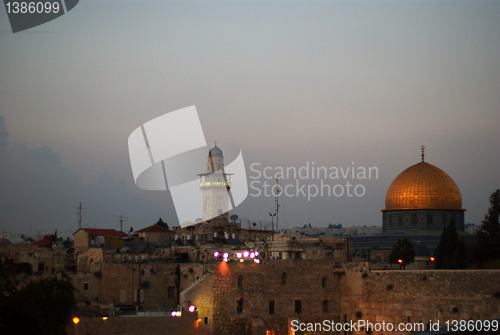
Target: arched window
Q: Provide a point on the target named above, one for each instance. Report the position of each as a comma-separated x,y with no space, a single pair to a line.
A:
323,282
283,278
240,281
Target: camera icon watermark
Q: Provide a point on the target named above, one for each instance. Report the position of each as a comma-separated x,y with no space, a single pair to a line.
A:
170,153
28,14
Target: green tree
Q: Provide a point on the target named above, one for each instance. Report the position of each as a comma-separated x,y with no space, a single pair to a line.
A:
403,250
488,247
42,306
450,252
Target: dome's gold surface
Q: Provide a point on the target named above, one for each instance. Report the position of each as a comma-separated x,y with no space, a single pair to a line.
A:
423,186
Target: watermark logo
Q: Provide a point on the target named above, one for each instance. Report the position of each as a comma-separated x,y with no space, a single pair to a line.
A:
28,14
310,180
170,153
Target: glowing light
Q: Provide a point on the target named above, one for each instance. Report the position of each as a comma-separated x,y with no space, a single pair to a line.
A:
176,313
192,308
256,253
197,322
238,254
400,261
216,254
432,259
245,254
225,255
104,318
256,260
252,255
76,320
241,260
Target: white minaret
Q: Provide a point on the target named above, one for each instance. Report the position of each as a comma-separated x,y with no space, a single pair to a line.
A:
215,185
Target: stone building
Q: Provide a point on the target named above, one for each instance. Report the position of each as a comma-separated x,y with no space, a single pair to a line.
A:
29,259
156,235
335,249
98,238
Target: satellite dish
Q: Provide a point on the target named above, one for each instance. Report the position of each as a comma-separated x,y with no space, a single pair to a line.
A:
234,217
187,224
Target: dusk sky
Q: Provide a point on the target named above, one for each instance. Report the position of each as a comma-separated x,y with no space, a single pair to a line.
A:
338,83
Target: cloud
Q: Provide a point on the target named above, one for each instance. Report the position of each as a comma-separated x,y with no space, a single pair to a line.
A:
39,195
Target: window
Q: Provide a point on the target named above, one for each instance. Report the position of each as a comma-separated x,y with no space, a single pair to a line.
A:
171,290
123,296
85,286
283,278
323,282
298,306
271,307
139,295
240,281
239,306
325,306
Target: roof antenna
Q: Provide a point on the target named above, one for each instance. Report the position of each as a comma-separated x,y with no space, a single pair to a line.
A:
80,212
423,155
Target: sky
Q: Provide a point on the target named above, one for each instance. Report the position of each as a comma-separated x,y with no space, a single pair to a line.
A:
334,84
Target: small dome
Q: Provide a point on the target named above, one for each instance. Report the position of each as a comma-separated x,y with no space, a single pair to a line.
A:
423,186
215,152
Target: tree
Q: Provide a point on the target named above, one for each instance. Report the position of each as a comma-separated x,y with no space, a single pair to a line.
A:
404,251
488,247
162,223
41,306
450,252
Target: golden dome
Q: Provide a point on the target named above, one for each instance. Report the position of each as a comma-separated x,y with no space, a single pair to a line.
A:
423,186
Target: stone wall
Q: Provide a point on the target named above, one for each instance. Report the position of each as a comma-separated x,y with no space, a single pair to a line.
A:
420,296
118,284
241,294
200,294
353,293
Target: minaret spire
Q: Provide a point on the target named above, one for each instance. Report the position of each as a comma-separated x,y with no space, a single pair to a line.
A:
423,155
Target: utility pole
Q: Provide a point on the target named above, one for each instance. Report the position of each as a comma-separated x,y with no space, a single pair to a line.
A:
277,203
121,219
80,212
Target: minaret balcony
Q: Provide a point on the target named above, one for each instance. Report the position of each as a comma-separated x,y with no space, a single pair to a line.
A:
211,184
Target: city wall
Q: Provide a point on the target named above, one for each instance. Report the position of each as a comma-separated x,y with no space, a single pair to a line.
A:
236,297
249,298
420,296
